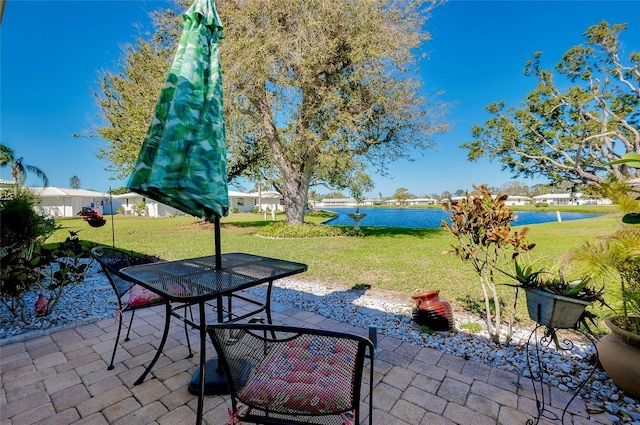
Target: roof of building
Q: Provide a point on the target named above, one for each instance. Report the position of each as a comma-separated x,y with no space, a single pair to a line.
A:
127,195
558,196
51,192
266,194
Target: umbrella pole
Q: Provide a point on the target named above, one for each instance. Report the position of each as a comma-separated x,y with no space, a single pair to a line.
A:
216,225
113,229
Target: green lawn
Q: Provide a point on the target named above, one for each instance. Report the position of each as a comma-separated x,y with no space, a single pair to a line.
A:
407,261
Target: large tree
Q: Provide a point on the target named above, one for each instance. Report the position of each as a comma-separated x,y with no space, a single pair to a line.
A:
313,90
574,121
325,86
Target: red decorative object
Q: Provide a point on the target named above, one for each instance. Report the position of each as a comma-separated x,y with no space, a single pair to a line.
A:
432,312
92,217
41,305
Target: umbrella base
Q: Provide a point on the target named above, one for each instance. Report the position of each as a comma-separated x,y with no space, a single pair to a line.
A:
215,381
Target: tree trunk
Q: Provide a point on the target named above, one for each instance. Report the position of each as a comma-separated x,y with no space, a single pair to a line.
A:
295,197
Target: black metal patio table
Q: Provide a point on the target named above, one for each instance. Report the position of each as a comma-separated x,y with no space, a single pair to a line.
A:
198,280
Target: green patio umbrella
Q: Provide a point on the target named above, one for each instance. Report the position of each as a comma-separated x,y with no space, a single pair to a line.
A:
182,162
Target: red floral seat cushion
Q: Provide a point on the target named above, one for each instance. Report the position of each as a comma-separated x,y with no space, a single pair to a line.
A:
314,376
139,295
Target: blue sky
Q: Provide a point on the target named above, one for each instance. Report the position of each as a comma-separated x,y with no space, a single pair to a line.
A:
51,53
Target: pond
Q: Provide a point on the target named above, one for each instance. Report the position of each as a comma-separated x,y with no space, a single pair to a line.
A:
431,218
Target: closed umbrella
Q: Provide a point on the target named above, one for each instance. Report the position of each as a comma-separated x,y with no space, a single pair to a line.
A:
182,162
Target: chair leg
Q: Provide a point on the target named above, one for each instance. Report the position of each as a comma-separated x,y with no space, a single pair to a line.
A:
267,304
115,345
133,312
186,332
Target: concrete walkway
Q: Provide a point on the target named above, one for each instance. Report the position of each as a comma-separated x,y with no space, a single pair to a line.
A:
62,378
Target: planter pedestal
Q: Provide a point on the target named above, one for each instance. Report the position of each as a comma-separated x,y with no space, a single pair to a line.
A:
541,338
552,312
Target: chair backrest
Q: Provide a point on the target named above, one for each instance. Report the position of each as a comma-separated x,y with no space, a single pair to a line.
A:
284,374
112,260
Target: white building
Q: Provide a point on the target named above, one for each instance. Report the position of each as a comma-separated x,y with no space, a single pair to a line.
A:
517,200
569,199
153,208
268,200
63,202
422,201
336,203
239,202
511,199
557,198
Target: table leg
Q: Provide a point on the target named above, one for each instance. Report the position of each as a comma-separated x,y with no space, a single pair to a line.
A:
267,304
203,355
167,321
215,381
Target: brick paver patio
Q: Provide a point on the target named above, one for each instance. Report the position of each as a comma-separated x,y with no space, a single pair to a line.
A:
62,378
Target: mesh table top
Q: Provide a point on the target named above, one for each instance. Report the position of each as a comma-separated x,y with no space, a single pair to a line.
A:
198,279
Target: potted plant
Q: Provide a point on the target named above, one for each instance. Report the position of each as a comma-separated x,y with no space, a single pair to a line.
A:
619,351
619,253
552,299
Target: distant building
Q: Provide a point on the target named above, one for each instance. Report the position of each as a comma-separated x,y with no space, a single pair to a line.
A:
557,198
152,208
336,203
569,199
63,202
517,200
268,200
422,201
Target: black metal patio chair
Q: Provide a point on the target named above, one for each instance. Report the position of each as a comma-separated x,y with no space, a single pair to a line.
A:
289,375
131,296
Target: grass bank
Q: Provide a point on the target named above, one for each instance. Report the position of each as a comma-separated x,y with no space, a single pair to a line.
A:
406,261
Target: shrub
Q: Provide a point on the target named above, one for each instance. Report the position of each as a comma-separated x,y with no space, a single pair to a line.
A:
21,225
63,267
26,265
49,270
282,230
22,231
140,209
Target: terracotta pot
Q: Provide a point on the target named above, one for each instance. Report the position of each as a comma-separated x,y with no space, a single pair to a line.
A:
432,312
554,311
619,354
